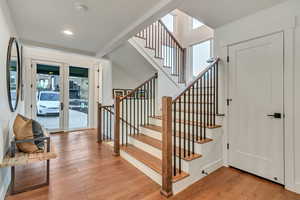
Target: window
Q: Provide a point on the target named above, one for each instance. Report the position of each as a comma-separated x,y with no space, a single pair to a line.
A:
196,23
200,54
168,20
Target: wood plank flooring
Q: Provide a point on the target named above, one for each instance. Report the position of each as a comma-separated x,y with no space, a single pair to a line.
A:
86,170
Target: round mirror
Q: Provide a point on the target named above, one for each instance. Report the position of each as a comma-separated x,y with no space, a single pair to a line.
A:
13,73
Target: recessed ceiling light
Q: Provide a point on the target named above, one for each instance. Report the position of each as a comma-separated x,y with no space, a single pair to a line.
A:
80,7
68,32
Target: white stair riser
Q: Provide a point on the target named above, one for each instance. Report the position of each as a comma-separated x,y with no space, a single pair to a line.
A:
151,133
142,167
158,122
157,153
190,116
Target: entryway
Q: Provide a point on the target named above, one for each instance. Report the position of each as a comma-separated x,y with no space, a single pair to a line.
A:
60,96
256,107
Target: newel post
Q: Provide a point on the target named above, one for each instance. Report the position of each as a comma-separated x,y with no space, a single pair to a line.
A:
99,131
166,188
117,127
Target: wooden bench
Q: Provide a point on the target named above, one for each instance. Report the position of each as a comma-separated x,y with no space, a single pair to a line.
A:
15,158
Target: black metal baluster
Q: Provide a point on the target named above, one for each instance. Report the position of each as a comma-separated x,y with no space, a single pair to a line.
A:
179,133
154,100
174,138
210,97
126,136
189,121
184,124
122,125
134,121
193,119
144,90
148,102
197,109
110,131
137,110
150,98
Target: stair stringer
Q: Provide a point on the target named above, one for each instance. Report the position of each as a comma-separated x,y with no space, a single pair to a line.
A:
139,44
211,160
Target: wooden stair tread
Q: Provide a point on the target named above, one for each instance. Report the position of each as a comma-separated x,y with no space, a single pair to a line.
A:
151,161
158,144
191,123
178,134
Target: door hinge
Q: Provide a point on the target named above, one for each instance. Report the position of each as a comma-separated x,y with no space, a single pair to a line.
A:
228,59
227,146
228,101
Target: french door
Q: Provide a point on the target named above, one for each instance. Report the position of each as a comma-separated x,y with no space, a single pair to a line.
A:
256,107
60,96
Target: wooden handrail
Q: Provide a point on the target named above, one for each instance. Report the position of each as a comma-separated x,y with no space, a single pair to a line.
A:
123,120
138,87
171,34
196,79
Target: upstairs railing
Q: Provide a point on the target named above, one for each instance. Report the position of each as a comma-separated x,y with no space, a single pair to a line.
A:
166,47
135,109
194,110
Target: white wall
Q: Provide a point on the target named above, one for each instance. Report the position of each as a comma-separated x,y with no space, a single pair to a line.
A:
128,69
187,36
184,32
281,18
6,118
38,54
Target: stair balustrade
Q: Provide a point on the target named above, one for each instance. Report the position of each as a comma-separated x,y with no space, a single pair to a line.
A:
166,47
194,111
133,110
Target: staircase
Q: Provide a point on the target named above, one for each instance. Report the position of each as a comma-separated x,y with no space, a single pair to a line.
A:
161,49
181,143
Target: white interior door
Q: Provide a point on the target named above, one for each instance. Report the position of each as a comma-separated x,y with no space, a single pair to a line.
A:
256,90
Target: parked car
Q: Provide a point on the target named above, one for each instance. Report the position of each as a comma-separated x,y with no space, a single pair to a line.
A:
48,103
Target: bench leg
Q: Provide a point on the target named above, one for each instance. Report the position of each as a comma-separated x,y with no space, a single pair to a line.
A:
13,176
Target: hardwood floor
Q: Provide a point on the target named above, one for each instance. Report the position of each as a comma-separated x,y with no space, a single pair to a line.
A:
86,170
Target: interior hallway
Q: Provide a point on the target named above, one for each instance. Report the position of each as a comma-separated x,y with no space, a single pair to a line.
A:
86,170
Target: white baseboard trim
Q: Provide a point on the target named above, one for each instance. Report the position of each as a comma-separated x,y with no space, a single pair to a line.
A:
4,186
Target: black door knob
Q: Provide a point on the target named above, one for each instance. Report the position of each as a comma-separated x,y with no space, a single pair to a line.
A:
275,115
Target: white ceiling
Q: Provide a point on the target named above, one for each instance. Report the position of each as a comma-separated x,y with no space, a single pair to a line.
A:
42,21
108,23
215,13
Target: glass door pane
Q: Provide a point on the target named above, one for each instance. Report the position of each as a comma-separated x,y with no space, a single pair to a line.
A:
48,96
78,97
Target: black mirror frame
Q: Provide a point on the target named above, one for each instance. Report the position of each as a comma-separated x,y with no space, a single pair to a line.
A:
13,40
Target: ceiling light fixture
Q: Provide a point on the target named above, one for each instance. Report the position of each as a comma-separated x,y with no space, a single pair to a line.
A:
80,7
68,32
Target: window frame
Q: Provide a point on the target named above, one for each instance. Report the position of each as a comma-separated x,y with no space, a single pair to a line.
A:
192,23
174,22
191,54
